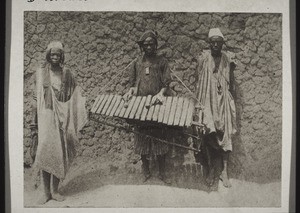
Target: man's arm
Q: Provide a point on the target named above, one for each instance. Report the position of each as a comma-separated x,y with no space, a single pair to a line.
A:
231,79
34,118
165,79
198,73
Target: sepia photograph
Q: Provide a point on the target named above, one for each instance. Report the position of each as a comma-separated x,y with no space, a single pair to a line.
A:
123,101
154,108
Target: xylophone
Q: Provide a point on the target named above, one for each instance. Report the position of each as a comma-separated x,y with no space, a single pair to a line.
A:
173,111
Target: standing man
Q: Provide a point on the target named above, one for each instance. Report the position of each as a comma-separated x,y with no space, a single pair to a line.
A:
59,114
150,75
214,91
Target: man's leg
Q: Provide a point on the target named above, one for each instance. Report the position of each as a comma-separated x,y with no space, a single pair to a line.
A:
146,169
55,195
209,152
224,176
45,184
162,168
210,177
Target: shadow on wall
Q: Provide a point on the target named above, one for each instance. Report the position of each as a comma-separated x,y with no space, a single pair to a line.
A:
236,167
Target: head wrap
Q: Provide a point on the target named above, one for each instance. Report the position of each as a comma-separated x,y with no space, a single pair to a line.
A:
148,33
55,45
215,32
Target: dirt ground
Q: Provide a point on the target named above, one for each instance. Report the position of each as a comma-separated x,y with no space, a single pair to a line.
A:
89,185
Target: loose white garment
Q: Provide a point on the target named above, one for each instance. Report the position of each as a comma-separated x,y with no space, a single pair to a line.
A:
219,111
58,129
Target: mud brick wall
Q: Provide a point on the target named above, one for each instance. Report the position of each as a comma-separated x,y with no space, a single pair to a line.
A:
99,45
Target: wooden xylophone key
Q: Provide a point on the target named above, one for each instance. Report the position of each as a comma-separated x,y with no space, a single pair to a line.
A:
172,111
178,111
140,108
123,110
130,105
162,110
111,105
157,108
120,107
135,107
95,103
151,110
184,111
167,109
102,104
118,101
190,111
145,108
103,111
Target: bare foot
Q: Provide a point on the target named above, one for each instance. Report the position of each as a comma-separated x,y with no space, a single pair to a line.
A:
210,177
209,181
225,180
164,179
43,199
147,177
58,197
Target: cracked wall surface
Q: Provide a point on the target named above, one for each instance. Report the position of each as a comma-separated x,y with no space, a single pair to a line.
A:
99,45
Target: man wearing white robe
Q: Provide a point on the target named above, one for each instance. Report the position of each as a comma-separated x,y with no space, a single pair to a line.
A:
214,93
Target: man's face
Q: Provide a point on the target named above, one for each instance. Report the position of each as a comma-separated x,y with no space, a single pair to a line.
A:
149,46
55,56
216,44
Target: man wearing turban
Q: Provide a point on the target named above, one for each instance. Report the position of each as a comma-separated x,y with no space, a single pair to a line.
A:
150,75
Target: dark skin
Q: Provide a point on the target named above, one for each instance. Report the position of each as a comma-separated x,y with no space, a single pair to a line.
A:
55,57
216,45
149,47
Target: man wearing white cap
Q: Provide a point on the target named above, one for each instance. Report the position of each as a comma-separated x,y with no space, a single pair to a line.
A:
218,114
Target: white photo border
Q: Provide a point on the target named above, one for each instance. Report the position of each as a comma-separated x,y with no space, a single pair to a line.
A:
15,101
